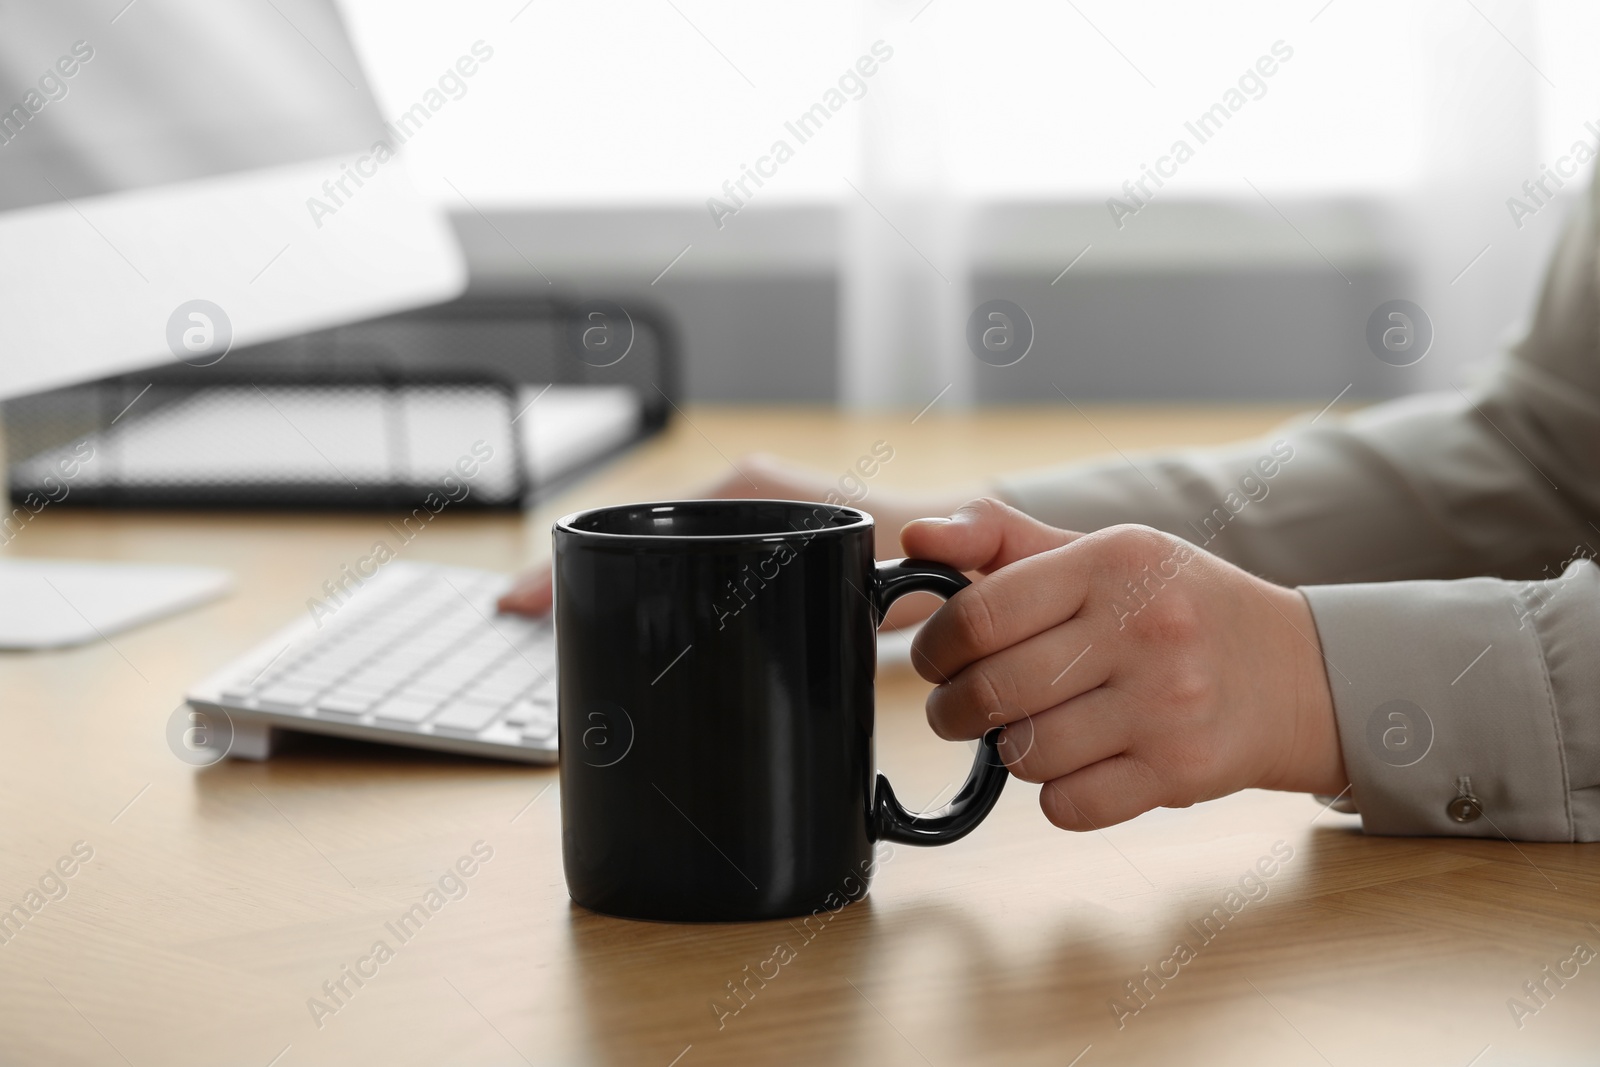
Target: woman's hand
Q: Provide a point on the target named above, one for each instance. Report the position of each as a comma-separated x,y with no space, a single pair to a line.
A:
1131,670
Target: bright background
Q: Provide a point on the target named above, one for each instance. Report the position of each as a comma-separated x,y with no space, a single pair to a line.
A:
1377,165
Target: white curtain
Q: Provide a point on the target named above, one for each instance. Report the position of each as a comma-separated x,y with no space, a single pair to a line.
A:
904,255
1429,115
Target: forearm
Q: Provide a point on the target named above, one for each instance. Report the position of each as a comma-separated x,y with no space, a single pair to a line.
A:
1430,487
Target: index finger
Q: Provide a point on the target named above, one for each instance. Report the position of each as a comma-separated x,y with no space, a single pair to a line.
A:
1012,604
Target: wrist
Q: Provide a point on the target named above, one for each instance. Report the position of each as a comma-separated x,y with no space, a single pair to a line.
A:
1312,760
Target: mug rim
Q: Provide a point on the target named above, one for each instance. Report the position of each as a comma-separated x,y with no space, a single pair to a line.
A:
567,523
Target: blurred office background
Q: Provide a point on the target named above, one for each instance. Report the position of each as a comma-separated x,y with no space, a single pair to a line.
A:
1375,163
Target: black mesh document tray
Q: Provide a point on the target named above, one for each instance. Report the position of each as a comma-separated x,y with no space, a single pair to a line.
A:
483,403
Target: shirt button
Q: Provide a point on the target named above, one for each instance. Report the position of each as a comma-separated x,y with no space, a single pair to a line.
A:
1465,807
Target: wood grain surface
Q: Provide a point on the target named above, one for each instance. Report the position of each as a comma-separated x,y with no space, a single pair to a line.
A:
214,904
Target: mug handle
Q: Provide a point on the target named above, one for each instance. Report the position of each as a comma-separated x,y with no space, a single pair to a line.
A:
890,820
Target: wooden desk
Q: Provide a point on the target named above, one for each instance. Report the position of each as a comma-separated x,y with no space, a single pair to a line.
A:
217,902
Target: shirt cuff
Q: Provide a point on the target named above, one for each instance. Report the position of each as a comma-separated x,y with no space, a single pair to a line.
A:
1478,688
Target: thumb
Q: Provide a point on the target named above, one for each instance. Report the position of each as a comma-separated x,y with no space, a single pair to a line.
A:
983,535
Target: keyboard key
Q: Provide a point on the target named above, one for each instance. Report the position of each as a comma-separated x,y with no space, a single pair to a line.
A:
523,712
285,697
405,711
464,717
321,679
433,687
344,707
540,729
452,680
372,681
523,671
488,693
506,678
370,693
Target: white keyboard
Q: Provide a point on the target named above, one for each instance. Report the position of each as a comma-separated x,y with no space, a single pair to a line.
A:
415,656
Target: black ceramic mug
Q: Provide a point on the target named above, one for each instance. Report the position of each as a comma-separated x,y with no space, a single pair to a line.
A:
716,709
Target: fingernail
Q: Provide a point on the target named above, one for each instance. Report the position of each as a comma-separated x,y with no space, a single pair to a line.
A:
934,521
